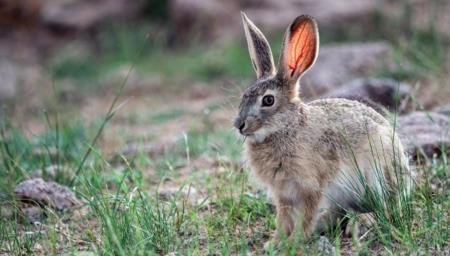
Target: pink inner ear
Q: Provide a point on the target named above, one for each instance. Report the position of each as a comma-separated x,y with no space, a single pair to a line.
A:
302,47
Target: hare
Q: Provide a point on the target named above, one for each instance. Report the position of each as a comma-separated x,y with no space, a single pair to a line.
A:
315,158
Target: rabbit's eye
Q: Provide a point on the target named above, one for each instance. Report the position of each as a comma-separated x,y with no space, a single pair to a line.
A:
268,100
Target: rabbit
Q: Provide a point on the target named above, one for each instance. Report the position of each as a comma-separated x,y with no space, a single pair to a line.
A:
314,158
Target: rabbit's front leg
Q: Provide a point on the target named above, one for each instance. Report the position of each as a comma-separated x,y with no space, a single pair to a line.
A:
285,220
285,223
309,210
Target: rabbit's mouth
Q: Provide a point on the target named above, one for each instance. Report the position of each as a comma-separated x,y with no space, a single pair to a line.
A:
251,128
249,132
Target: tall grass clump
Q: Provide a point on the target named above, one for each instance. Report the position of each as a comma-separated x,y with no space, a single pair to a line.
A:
131,222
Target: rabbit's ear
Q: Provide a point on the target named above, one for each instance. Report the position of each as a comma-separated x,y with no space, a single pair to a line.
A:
300,48
259,49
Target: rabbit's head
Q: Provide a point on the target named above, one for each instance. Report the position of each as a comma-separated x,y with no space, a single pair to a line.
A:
267,105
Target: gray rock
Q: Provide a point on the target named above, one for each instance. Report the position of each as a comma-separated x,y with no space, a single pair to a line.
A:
325,247
342,63
46,193
424,133
387,93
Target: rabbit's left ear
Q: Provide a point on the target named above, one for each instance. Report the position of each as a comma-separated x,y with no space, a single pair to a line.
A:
259,49
300,48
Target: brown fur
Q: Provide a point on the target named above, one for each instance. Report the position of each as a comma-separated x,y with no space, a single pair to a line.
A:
305,153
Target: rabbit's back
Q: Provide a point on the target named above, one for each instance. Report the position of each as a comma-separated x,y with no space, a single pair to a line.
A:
352,121
343,110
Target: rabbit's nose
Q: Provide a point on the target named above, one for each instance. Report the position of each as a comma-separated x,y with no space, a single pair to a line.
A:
239,123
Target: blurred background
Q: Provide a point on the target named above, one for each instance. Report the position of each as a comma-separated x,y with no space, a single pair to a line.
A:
171,74
72,55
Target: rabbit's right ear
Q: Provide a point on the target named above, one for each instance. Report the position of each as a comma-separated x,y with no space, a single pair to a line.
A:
300,48
259,49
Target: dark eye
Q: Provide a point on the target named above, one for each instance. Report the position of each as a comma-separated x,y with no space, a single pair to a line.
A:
268,100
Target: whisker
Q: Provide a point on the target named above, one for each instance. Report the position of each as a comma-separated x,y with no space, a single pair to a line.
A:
245,137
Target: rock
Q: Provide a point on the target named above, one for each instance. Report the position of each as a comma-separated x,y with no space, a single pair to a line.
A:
9,78
325,247
372,91
85,14
339,64
46,193
424,133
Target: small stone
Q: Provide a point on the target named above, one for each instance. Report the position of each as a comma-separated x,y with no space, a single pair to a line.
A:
46,193
325,247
